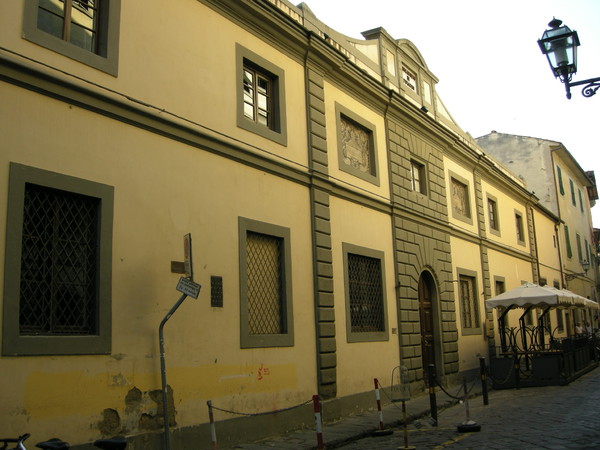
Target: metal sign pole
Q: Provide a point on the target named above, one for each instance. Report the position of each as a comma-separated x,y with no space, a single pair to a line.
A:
163,371
187,287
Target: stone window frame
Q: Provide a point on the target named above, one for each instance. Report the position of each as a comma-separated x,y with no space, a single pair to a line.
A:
421,166
501,281
472,276
374,336
520,227
278,131
455,214
286,339
107,57
343,113
494,200
13,343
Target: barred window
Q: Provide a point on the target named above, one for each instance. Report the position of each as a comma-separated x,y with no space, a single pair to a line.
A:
265,285
366,295
469,309
366,313
58,264
265,296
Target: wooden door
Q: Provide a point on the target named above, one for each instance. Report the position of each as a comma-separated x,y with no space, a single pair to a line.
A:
427,331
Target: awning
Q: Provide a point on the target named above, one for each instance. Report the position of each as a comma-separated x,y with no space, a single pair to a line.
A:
530,294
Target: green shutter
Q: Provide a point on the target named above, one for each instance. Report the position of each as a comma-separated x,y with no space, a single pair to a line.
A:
569,251
560,183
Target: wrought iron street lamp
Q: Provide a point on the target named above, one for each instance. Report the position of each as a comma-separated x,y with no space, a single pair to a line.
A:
559,44
571,276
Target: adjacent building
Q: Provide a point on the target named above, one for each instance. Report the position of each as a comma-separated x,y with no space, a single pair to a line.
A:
343,225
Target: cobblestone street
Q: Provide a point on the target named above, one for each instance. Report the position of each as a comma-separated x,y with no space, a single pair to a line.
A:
556,417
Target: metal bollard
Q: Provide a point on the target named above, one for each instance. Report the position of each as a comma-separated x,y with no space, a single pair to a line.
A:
318,422
483,372
432,398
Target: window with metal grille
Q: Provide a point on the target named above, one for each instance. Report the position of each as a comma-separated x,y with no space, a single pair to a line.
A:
265,289
265,302
468,302
58,263
366,311
366,294
84,30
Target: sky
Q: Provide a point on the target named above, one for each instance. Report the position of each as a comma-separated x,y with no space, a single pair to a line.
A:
492,74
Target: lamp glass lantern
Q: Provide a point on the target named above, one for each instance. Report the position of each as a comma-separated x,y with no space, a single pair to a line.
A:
559,44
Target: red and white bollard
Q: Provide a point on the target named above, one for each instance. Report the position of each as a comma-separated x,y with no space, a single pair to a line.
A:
213,430
318,422
382,431
378,398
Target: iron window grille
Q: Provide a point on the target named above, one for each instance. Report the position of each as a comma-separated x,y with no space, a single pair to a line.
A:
59,263
365,294
265,295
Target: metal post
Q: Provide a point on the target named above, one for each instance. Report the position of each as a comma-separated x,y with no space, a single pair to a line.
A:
517,369
318,422
163,371
213,431
432,399
482,371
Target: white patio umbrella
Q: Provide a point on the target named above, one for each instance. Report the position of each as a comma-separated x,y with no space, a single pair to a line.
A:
530,294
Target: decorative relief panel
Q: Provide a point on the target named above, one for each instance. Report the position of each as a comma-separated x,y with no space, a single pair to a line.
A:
356,145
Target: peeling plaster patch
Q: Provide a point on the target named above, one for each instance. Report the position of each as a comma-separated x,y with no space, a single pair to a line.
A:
110,423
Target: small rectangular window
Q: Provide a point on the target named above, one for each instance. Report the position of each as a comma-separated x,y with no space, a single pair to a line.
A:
579,249
580,200
417,174
469,308
519,227
493,214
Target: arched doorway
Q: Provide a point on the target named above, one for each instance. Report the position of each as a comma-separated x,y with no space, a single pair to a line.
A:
427,302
